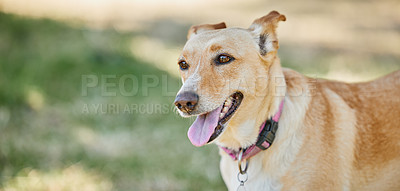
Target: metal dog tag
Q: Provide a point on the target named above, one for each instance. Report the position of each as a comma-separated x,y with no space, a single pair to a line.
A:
242,178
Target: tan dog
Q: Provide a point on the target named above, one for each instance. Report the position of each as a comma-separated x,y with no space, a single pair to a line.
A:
331,135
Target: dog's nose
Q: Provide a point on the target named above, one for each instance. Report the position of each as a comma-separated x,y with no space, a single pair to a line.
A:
186,101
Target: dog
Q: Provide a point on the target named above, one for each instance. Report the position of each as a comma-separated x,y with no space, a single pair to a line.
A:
278,129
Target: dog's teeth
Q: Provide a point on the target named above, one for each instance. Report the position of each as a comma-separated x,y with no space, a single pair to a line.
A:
225,110
228,102
221,115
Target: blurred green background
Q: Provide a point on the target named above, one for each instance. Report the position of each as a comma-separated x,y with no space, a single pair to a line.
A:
55,136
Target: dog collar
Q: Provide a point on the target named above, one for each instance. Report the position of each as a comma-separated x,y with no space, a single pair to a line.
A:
265,138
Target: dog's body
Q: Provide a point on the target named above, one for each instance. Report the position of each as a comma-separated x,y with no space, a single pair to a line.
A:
331,135
341,137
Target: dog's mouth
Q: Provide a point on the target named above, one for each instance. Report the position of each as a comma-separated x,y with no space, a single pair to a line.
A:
229,108
207,127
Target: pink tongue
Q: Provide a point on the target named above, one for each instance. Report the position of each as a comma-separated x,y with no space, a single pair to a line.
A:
202,129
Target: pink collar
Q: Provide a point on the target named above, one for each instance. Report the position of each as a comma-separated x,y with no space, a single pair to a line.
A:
265,137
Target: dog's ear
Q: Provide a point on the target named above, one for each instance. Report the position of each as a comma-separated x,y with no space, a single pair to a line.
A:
264,31
205,27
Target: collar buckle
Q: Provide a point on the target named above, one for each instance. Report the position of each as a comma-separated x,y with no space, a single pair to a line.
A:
267,134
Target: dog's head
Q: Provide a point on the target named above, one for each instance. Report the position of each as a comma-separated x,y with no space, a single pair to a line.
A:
229,80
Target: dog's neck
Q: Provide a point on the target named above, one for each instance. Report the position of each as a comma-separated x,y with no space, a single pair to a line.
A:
276,160
276,89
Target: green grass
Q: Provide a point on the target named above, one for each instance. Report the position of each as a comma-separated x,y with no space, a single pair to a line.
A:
44,132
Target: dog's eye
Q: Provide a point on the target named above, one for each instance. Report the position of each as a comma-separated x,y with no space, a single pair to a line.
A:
183,65
223,59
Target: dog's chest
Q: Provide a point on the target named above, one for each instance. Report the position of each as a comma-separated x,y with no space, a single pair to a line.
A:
257,179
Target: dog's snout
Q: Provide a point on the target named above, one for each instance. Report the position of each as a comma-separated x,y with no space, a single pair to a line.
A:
186,101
